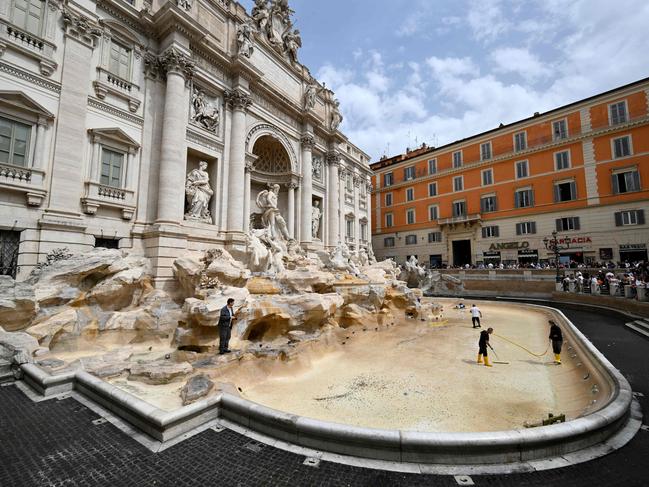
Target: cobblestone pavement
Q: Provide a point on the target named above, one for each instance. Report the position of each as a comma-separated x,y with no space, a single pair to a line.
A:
55,443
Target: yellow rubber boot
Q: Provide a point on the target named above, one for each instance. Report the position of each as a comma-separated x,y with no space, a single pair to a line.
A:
486,362
479,358
557,359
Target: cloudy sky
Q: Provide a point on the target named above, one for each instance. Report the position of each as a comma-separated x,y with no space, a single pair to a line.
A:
414,71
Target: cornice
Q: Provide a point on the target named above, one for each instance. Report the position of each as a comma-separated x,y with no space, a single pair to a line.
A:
30,77
170,18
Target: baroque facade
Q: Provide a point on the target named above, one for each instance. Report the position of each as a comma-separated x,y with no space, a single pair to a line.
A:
581,170
153,125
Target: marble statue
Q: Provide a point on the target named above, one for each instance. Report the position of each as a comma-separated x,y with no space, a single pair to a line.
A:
371,256
317,168
204,113
184,4
272,218
412,267
292,42
310,96
336,116
244,39
363,257
316,214
261,15
279,22
340,259
198,193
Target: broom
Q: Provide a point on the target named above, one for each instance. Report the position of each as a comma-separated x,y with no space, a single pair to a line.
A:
498,361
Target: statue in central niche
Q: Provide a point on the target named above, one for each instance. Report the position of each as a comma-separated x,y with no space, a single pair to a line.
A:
271,218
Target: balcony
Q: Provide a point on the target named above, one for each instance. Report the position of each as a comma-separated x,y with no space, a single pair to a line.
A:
465,220
29,45
108,83
23,180
98,195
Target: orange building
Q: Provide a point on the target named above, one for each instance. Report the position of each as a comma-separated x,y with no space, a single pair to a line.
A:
582,170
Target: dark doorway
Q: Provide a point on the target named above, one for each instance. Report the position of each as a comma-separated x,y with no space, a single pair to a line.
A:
9,243
435,261
106,243
461,252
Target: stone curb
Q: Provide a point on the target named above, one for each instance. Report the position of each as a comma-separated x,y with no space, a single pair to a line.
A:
392,445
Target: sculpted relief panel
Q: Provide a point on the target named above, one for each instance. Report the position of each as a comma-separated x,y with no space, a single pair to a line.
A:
205,111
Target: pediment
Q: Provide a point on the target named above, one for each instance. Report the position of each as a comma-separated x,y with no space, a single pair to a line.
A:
20,101
116,134
121,30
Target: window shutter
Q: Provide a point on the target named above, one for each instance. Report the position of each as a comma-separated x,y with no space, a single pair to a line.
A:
483,204
484,233
557,193
618,219
495,203
559,227
636,181
573,190
577,223
616,185
531,198
533,225
517,201
518,229
640,217
496,231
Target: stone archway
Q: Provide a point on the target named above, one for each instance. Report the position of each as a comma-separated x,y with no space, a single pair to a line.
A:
272,157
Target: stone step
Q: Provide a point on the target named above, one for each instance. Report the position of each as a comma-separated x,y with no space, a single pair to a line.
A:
6,374
641,329
643,323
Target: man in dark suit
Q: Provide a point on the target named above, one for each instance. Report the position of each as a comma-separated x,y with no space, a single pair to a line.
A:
225,326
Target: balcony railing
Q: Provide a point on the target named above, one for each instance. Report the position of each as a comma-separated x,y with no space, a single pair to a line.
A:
455,220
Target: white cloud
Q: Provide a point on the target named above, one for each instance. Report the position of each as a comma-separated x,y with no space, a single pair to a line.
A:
519,61
487,19
452,66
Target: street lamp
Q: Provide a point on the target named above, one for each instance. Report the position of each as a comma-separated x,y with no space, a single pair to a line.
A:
552,244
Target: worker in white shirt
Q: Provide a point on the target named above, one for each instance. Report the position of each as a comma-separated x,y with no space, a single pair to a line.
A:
476,314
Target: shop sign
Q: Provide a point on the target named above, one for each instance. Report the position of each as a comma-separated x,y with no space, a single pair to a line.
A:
633,247
491,254
509,246
576,240
528,253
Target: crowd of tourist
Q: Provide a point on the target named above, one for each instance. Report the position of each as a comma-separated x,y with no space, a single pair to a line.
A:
624,280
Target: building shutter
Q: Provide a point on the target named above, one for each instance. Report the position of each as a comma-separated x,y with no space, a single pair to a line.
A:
483,204
559,225
636,181
557,194
573,190
615,185
618,219
531,191
495,207
496,231
517,200
577,223
640,217
518,229
533,225
484,232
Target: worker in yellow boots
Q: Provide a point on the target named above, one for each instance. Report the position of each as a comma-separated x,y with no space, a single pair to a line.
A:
557,341
482,346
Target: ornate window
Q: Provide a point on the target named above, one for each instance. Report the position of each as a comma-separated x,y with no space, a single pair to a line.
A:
23,148
29,15
14,142
120,61
112,170
272,158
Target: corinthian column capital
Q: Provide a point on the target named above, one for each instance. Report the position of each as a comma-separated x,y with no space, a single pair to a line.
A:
308,141
333,158
238,99
175,61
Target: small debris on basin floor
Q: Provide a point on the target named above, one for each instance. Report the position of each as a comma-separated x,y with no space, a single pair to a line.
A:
463,480
99,421
312,462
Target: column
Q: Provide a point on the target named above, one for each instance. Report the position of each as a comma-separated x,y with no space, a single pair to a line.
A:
171,191
298,215
41,157
246,197
357,217
308,142
129,180
342,183
333,162
95,168
369,214
239,101
291,209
